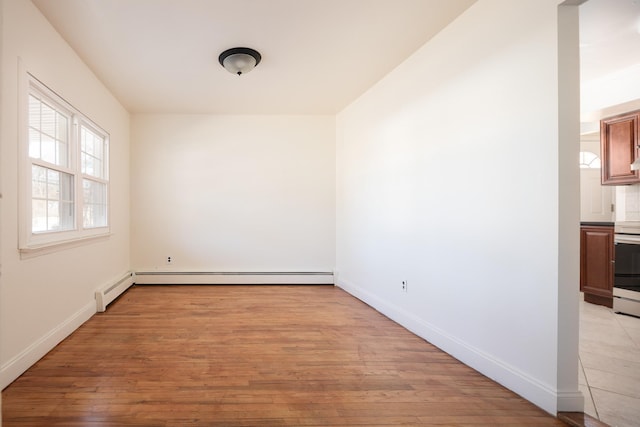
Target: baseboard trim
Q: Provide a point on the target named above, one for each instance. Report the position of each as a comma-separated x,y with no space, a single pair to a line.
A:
524,385
232,278
570,401
15,367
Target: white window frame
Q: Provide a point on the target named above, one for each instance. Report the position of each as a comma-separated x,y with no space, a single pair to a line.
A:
49,241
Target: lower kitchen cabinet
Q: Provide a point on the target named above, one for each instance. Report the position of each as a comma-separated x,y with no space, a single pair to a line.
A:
597,264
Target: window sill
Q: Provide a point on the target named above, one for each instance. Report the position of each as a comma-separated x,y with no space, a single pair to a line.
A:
47,248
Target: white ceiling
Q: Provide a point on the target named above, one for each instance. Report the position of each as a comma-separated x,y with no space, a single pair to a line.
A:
609,37
317,55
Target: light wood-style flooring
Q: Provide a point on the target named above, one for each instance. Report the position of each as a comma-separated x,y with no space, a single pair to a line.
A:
254,356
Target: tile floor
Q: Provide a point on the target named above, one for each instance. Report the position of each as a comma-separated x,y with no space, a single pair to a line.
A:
610,365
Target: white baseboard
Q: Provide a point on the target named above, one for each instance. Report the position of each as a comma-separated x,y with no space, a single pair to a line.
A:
232,278
23,361
526,386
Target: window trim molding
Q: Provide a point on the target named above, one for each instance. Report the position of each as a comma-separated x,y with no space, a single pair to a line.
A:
33,244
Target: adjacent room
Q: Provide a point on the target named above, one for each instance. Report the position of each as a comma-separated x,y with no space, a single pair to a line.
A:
381,152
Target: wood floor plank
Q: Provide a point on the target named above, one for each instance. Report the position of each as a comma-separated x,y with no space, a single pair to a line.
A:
253,356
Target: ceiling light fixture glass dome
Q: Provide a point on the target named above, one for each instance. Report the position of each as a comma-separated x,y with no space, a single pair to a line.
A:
239,60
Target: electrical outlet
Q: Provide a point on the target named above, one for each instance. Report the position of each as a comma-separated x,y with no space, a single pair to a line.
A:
404,286
169,260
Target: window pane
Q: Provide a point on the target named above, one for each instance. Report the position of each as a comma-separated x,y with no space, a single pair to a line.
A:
67,204
48,120
34,112
87,165
34,144
97,166
66,187
52,207
87,145
61,154
98,147
48,133
67,221
53,185
92,148
94,192
38,216
53,215
38,182
61,135
48,147
61,128
95,204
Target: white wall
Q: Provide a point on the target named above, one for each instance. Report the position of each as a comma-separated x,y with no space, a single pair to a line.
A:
448,177
45,297
233,193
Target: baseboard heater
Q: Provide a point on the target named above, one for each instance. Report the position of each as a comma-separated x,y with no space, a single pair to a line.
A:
108,293
233,278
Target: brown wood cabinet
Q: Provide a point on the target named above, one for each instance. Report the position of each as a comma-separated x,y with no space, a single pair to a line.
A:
597,264
619,148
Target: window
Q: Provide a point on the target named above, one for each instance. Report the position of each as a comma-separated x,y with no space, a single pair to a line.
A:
66,179
589,160
94,183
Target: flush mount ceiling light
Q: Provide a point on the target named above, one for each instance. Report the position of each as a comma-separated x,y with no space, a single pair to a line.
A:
239,60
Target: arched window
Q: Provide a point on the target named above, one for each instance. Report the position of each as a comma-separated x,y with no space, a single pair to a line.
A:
589,160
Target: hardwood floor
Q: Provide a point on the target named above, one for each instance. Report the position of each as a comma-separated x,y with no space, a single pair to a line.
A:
253,356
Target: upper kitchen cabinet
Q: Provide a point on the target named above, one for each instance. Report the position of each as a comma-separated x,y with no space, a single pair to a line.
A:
618,148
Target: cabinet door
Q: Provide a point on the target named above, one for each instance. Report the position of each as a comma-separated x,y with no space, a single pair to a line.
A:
596,264
618,146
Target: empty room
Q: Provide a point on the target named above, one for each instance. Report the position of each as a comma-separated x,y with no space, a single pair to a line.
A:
289,212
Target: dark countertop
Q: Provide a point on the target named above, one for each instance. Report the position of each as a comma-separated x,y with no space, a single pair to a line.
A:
596,224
